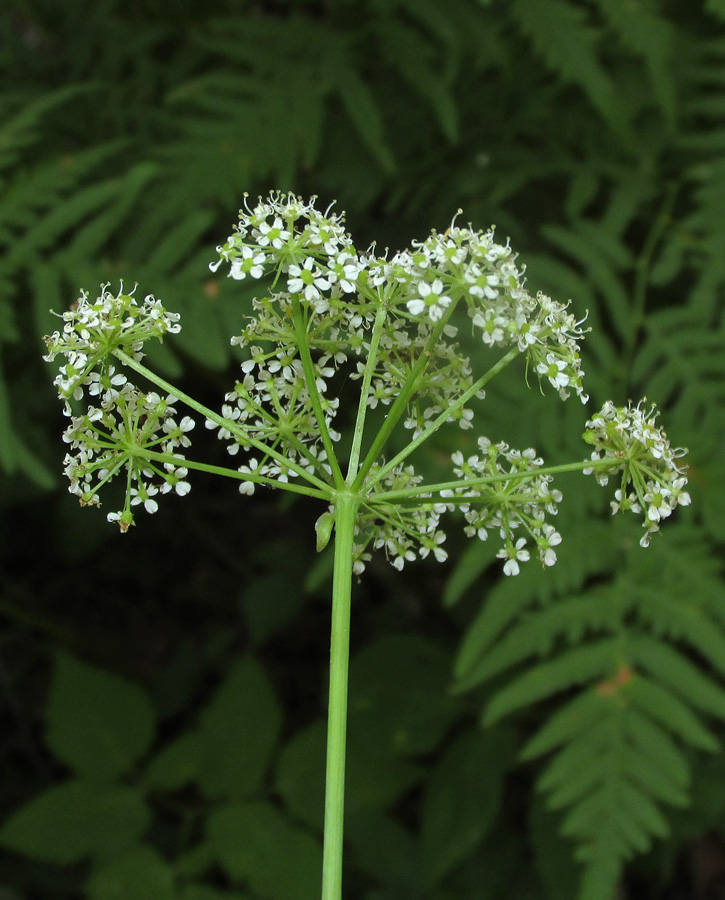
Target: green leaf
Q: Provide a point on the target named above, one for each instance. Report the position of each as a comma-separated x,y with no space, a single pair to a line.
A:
181,240
110,220
204,892
8,455
398,700
664,756
601,877
238,732
567,772
371,781
540,631
141,874
98,723
386,850
256,845
573,718
176,765
75,820
652,37
462,798
300,776
196,861
670,667
560,34
272,600
716,8
323,530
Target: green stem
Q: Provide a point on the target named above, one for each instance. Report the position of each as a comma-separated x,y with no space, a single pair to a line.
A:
346,505
231,426
444,416
311,379
410,493
154,456
406,392
364,391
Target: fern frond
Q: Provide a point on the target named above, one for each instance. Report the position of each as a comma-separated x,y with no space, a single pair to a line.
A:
510,619
416,61
612,771
680,360
43,187
537,633
579,665
674,670
21,117
626,699
567,41
604,258
650,36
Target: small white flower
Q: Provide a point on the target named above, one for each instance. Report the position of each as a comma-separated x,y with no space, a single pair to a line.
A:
275,234
307,279
514,555
431,298
250,262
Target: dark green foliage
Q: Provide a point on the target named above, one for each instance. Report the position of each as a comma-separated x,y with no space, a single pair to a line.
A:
242,802
592,133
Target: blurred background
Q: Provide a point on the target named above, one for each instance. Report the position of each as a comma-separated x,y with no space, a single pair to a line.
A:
162,693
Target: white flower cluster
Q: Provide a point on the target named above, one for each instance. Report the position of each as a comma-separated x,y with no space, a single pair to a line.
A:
309,248
515,507
105,440
316,268
468,264
334,313
271,405
94,328
652,483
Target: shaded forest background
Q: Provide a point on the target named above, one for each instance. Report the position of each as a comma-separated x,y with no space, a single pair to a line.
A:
162,694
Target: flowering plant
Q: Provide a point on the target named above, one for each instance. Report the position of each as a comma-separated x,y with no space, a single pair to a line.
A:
388,323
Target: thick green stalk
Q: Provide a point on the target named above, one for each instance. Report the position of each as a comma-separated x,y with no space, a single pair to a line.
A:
346,505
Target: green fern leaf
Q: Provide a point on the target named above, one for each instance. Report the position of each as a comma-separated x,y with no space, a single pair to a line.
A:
62,219
664,706
362,108
536,635
659,748
562,36
413,57
576,666
177,244
574,718
93,235
649,35
603,258
671,668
